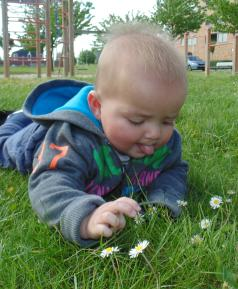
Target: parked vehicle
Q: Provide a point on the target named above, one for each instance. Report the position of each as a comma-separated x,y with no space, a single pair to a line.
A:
195,63
224,65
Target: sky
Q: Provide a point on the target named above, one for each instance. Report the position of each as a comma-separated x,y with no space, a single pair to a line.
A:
102,10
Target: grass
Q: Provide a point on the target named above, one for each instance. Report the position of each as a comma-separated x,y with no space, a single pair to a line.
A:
23,69
34,256
82,70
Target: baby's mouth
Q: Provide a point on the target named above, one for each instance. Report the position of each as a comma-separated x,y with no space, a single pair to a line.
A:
146,149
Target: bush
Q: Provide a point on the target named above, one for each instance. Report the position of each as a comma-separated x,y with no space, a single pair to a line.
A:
87,57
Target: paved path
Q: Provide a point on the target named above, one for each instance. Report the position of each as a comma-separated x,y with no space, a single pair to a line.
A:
43,75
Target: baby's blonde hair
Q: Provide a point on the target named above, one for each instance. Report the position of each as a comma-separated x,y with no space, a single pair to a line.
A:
150,46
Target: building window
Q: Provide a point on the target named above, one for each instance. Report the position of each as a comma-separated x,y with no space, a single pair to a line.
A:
214,37
221,37
192,41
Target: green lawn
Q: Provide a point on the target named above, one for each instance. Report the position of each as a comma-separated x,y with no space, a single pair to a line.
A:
34,256
80,70
14,70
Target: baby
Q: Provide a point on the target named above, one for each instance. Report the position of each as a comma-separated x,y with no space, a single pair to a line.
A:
95,152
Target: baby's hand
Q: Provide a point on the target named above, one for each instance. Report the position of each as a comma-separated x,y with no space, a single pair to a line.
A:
108,218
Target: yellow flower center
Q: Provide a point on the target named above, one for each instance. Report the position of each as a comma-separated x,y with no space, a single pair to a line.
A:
139,248
108,250
216,202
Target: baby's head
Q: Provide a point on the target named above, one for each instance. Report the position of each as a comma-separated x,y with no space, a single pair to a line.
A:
140,89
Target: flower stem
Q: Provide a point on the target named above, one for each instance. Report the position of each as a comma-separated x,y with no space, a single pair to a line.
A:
119,283
153,271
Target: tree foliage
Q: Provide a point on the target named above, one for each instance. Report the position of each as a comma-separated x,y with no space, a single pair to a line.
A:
179,16
223,15
82,18
28,39
87,57
104,26
10,41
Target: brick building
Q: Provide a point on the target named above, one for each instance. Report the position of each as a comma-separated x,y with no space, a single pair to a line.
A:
222,44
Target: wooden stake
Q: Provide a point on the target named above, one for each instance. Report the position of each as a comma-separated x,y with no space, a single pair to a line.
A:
71,38
207,51
65,36
5,38
186,47
235,55
37,29
48,41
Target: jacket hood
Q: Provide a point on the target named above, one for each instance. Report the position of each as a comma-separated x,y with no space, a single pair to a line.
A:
64,100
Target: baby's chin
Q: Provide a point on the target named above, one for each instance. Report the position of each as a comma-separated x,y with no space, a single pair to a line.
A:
140,151
130,153
135,154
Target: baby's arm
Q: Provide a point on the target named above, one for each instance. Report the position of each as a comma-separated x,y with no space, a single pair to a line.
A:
171,185
57,189
108,218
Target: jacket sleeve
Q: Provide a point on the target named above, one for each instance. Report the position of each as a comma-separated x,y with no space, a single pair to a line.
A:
56,185
171,185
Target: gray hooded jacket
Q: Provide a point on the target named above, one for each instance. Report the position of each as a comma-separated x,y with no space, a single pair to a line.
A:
75,169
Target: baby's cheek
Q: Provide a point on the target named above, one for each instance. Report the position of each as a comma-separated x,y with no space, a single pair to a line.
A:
121,138
167,135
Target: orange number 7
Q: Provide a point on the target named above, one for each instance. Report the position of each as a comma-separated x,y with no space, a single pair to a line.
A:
63,152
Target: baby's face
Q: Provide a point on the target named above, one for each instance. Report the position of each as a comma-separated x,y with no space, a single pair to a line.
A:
139,118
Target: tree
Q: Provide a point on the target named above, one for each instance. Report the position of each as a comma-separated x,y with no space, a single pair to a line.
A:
87,57
104,26
223,15
82,16
82,20
10,41
28,39
179,16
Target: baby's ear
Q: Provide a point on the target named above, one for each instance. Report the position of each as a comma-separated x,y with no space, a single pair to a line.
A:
94,104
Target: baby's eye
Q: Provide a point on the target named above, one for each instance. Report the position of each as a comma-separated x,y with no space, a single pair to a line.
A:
135,121
169,122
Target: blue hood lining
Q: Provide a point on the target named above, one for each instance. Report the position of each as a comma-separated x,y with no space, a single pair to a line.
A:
64,98
80,103
53,98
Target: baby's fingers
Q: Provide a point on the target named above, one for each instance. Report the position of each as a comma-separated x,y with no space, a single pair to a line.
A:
104,231
125,208
122,221
115,222
129,201
110,219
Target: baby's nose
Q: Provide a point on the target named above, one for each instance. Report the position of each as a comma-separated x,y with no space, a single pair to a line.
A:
153,132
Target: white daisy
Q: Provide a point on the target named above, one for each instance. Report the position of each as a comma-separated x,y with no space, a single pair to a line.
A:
152,210
226,285
196,239
205,223
230,192
228,200
216,202
109,251
139,248
139,219
182,203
